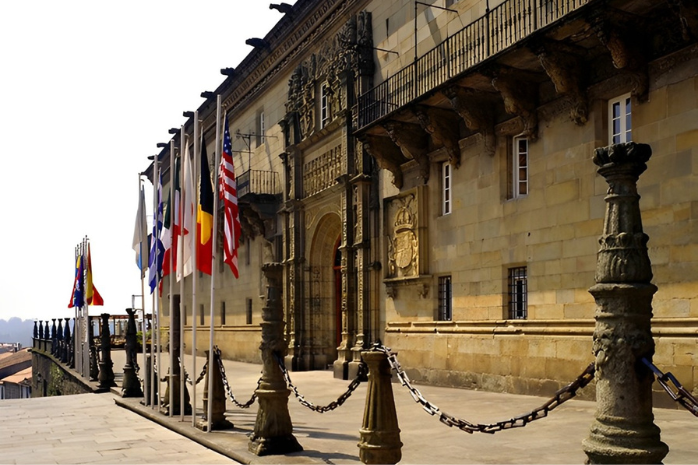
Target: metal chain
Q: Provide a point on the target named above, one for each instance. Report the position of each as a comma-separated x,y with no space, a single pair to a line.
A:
332,405
228,391
560,397
682,396
186,375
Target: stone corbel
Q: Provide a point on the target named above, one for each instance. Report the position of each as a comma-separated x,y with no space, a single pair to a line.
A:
567,71
443,129
617,33
412,143
391,291
251,223
387,155
687,12
476,111
520,96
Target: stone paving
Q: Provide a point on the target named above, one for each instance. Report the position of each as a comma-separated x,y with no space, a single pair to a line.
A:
104,428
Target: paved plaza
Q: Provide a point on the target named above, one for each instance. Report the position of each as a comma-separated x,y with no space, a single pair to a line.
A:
105,428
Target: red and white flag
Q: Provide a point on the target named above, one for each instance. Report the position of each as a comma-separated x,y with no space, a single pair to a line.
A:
228,193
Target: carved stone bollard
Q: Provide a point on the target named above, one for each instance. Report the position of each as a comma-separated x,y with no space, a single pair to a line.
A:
273,430
58,351
94,357
106,371
218,420
148,373
623,430
65,355
380,434
130,387
174,381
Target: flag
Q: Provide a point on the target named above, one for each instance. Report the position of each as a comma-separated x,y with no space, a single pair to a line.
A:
91,294
172,221
204,216
156,249
140,235
77,297
228,193
184,242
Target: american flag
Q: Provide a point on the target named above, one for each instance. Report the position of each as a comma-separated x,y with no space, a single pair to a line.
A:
229,195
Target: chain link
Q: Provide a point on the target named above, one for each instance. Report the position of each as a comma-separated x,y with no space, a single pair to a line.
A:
682,396
560,397
332,405
186,375
228,391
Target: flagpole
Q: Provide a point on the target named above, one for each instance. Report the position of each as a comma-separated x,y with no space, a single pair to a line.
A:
146,381
86,306
155,335
169,281
214,248
182,386
195,272
77,339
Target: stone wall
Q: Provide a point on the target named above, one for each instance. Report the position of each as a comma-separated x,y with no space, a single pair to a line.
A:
51,378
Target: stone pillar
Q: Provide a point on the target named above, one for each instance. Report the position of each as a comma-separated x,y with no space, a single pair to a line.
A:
623,430
36,330
47,333
148,375
106,371
94,359
174,381
58,345
130,386
273,430
41,329
66,342
218,420
380,434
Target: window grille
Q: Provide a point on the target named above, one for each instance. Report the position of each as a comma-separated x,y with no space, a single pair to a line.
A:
223,313
518,293
248,313
445,299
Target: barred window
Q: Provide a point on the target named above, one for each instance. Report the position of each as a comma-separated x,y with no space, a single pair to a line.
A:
223,313
518,293
445,299
248,312
201,314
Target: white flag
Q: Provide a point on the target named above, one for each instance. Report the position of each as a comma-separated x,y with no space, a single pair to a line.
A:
185,243
140,235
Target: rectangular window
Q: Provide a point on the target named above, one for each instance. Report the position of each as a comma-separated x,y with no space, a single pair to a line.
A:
445,299
619,119
222,313
184,323
519,167
324,110
518,293
260,128
201,314
248,312
446,189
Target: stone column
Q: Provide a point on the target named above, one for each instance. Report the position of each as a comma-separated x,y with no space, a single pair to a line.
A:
94,359
131,387
380,434
106,371
66,342
623,430
58,349
273,430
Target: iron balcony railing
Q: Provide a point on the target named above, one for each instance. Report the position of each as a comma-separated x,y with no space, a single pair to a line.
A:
258,182
500,28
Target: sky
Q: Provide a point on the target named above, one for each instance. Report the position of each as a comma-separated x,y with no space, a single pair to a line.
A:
87,90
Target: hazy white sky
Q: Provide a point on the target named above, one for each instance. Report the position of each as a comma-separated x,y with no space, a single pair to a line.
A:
87,90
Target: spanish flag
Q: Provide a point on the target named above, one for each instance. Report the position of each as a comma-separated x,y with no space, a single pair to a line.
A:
204,216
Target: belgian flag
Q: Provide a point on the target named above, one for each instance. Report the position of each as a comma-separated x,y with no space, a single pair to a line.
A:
204,216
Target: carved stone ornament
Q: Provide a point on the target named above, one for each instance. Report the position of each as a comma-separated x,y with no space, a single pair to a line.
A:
476,111
567,71
620,36
687,12
403,243
387,155
350,50
443,128
413,144
520,98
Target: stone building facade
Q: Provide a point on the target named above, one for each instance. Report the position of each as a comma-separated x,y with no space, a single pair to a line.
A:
434,189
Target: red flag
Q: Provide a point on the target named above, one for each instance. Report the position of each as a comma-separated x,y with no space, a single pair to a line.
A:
229,195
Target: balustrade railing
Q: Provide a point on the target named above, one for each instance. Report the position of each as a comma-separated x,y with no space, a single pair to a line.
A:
258,182
499,29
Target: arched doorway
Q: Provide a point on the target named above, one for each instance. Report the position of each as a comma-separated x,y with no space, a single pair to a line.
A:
323,306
